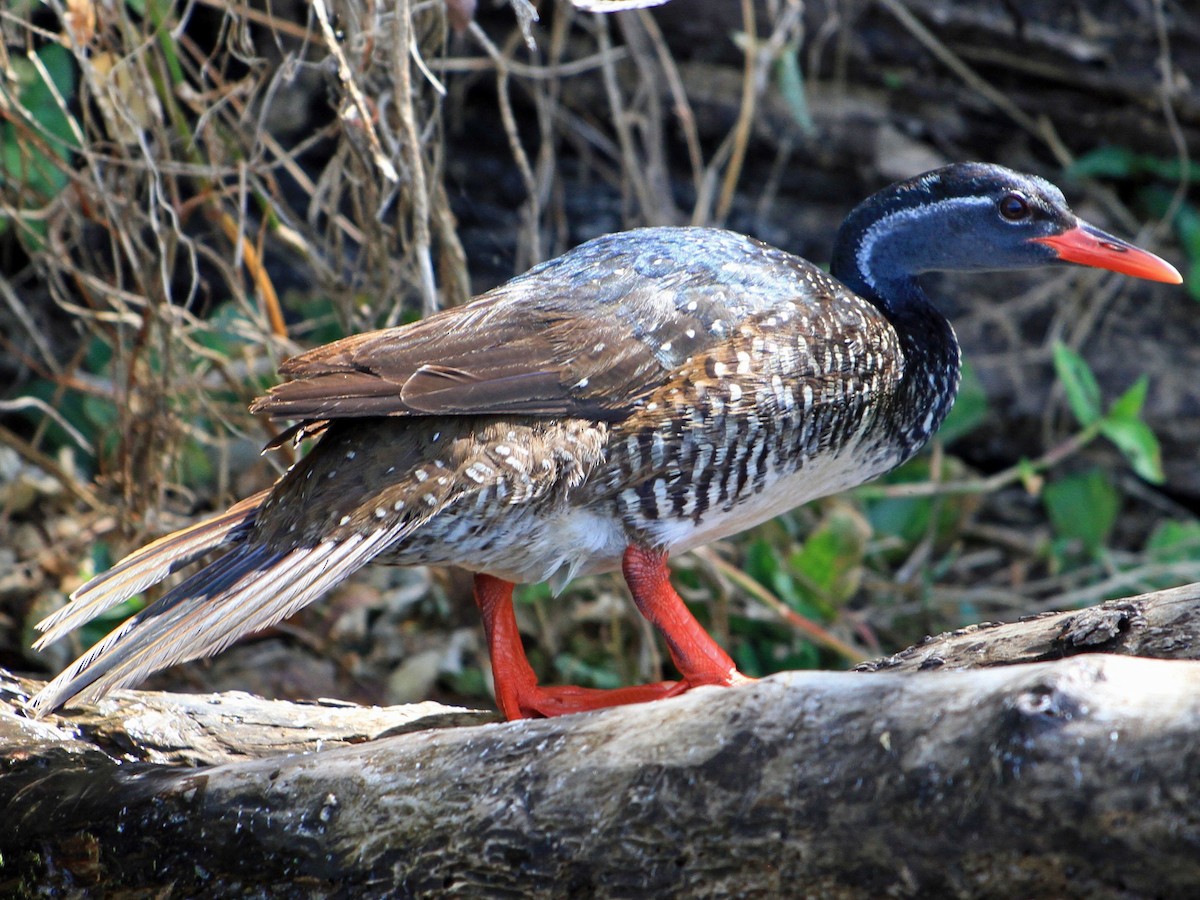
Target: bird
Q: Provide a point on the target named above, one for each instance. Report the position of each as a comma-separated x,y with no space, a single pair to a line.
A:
643,394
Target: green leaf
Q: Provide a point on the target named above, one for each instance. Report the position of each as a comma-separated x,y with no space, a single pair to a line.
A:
829,564
226,331
1133,437
70,405
1103,162
194,464
468,681
101,413
1159,201
1129,404
1031,479
1083,392
790,78
1121,162
761,562
1174,541
906,518
40,104
1083,507
1137,443
26,165
1187,226
530,594
574,670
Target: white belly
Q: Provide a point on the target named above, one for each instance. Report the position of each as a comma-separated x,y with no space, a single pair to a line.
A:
556,548
558,544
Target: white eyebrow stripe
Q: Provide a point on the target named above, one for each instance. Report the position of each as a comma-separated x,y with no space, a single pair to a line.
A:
888,224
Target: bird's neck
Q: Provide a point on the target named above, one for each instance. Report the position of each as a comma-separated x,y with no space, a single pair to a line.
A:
932,363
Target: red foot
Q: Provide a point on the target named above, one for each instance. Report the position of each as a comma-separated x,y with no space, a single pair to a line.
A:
694,652
565,699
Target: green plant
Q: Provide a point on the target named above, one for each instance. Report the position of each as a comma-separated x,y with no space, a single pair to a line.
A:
1082,508
1122,423
1174,541
37,136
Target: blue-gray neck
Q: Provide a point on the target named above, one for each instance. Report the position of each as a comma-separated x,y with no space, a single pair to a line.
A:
880,250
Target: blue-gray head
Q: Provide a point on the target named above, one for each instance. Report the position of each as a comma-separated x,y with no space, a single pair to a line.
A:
973,217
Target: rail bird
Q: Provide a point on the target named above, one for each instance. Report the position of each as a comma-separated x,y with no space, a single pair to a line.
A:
641,395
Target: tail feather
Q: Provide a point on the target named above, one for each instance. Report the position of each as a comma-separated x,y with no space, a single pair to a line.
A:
148,566
248,589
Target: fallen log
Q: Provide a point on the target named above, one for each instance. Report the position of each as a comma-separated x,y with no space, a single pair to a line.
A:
1160,625
1074,777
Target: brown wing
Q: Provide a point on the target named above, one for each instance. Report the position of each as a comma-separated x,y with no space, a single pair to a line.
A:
482,358
588,334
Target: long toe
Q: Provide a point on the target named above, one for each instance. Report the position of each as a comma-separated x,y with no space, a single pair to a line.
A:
561,700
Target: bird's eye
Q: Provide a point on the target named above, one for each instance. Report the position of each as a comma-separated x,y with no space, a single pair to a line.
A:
1014,207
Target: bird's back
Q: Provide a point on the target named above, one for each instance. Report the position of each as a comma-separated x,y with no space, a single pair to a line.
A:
723,382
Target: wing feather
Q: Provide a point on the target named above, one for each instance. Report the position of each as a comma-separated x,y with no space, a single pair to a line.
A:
148,566
247,590
590,334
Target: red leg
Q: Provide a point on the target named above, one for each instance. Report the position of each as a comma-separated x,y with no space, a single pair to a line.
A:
697,656
510,668
517,692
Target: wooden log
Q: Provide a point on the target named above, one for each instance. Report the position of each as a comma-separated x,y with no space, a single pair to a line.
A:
1161,625
1076,777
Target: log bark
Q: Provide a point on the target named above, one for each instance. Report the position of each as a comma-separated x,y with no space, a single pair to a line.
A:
1073,777
1161,625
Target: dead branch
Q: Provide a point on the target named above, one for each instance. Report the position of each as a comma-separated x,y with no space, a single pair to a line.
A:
1069,778
1161,625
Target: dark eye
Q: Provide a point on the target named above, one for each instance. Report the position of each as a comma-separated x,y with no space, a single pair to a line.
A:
1014,207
